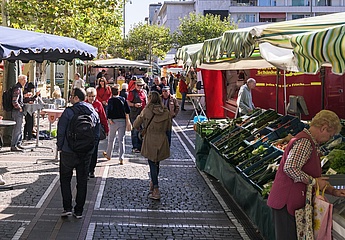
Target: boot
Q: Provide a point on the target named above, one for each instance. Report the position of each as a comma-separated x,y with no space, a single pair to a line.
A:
155,194
151,187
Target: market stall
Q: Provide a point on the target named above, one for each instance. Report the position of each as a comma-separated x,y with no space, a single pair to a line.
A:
244,153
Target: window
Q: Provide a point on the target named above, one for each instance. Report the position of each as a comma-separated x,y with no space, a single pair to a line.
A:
246,17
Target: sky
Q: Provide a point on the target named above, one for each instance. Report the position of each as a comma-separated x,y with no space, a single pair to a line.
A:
137,11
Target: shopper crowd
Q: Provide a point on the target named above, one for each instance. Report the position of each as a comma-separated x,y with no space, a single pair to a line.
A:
143,106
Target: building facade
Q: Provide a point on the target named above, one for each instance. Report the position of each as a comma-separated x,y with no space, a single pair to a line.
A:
247,13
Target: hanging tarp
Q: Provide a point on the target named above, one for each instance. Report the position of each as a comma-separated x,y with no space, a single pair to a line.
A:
312,50
240,43
117,62
17,44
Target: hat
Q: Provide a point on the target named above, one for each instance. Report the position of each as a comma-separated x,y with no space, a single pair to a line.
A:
166,88
134,78
140,82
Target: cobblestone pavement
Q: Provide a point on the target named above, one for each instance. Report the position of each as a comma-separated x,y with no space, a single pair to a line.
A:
117,205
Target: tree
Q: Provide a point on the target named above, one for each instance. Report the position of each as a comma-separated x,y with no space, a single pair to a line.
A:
147,41
196,28
96,22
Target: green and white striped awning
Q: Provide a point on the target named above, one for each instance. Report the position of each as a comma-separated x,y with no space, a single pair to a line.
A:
239,44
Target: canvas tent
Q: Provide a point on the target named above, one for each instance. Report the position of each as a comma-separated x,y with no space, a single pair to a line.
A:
17,44
117,63
294,37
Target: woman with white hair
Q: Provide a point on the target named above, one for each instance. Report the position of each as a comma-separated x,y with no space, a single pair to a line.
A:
91,94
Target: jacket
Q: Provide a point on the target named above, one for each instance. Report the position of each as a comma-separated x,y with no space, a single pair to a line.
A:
182,86
103,94
244,100
66,117
155,145
97,105
172,106
285,192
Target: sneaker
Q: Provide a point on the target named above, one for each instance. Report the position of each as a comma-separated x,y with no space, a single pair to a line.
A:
106,155
137,151
92,175
183,109
121,161
66,213
78,215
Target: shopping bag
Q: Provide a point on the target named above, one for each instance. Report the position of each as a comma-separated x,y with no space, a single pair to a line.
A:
304,218
322,216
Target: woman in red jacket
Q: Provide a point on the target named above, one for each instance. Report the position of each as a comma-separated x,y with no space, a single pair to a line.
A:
103,92
91,94
182,86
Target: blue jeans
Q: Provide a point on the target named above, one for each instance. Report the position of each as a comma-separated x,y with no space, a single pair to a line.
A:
17,132
117,130
154,171
68,162
184,95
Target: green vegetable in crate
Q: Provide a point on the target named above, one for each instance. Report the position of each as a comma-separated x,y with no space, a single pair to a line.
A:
258,150
337,160
267,189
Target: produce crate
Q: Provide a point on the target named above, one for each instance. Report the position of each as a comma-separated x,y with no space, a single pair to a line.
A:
234,141
258,136
261,119
220,130
328,146
254,159
252,171
228,140
216,140
278,123
243,155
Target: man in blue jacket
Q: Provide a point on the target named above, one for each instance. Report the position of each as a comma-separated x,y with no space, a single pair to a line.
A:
70,160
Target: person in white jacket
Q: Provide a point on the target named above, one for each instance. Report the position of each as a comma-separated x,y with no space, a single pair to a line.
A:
244,101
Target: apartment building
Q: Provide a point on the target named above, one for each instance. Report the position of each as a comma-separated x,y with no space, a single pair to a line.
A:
247,13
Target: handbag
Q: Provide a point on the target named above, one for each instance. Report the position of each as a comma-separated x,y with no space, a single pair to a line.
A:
322,216
142,132
304,218
102,134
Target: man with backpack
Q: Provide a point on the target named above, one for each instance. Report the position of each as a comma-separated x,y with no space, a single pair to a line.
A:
78,132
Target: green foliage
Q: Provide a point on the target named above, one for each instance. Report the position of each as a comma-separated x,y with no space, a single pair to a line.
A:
337,159
196,28
96,22
144,41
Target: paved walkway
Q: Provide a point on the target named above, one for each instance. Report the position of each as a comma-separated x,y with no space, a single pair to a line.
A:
117,205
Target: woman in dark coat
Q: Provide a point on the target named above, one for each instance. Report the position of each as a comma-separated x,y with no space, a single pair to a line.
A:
155,145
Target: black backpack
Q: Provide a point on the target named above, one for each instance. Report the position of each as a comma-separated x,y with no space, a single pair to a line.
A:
81,132
7,97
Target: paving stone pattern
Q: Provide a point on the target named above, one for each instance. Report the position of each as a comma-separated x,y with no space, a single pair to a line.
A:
117,205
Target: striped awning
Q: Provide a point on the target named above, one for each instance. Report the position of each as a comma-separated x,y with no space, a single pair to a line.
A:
235,45
314,49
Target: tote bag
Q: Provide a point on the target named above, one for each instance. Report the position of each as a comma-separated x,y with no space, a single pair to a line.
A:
304,218
322,216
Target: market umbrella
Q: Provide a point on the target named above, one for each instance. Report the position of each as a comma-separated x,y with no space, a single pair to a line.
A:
117,62
17,44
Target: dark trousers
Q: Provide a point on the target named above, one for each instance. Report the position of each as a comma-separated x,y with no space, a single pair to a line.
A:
154,171
94,157
68,162
285,224
29,125
136,142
